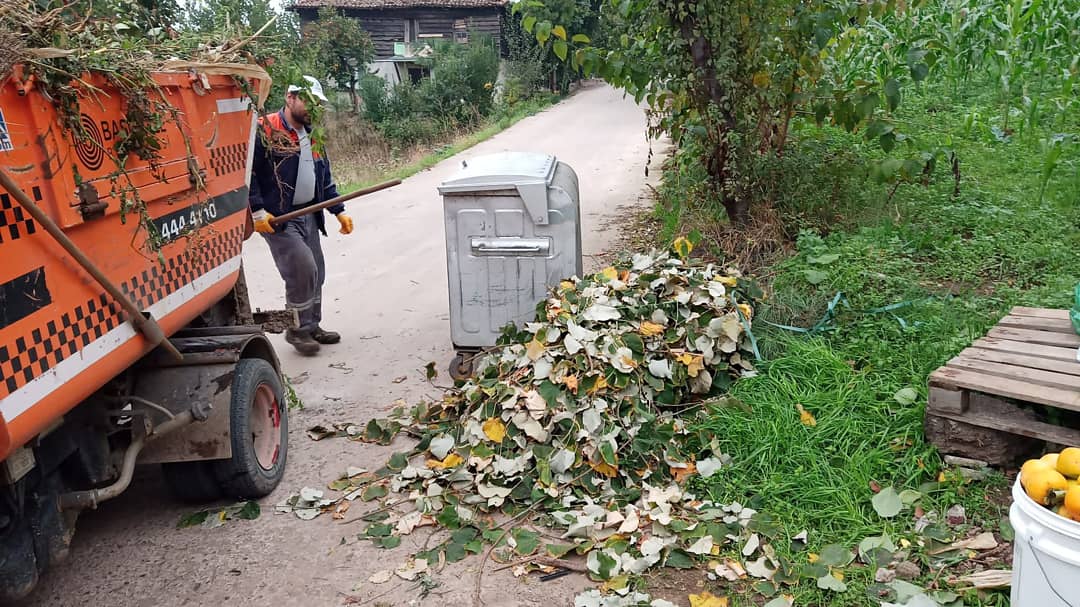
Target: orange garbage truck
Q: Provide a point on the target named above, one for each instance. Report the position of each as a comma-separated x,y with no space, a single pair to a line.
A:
126,335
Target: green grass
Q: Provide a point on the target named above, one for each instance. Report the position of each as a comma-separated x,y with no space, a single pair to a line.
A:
488,129
958,265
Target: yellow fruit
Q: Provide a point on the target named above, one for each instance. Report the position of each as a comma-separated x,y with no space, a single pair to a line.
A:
1050,458
1041,482
1072,501
1030,466
1068,462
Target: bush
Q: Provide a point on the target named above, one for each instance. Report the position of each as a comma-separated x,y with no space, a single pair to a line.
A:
462,81
458,93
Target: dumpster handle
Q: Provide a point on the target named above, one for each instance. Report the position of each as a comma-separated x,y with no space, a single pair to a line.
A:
509,246
145,324
508,250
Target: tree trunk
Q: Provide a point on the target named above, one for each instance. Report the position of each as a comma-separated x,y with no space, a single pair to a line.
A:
353,96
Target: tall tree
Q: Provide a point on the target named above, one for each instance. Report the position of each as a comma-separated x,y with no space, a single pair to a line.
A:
728,76
341,50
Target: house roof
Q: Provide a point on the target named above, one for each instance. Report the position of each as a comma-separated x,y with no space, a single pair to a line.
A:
397,4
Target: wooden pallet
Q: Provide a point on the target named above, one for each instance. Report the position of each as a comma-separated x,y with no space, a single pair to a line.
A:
1030,356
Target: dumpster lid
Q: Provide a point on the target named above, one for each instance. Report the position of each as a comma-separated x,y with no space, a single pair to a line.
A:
529,173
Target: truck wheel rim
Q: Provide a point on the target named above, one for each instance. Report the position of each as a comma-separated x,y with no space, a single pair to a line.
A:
266,427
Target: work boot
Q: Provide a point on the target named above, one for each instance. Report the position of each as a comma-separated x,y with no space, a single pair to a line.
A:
303,342
325,337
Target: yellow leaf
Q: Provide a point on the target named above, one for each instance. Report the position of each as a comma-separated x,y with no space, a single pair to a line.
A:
648,329
571,382
559,32
534,350
609,273
807,418
727,281
761,80
494,429
566,285
682,247
604,468
601,383
836,573
340,510
450,461
707,599
746,310
813,558
681,474
695,363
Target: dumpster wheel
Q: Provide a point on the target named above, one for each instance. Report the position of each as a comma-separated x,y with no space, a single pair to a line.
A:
461,366
259,428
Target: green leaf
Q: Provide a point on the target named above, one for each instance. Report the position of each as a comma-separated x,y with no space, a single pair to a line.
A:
528,23
887,503
887,142
835,555
607,452
558,550
600,564
815,277
828,582
464,535
374,492
581,39
249,511
543,31
389,542
430,372
559,32
455,552
398,461
492,536
680,559
919,72
825,259
910,496
379,530
527,541
449,518
550,393
193,519
906,396
560,49
1006,529
892,93
633,341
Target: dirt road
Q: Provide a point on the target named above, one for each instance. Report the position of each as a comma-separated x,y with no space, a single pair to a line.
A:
387,294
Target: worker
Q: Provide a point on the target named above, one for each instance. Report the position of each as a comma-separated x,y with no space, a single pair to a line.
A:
289,173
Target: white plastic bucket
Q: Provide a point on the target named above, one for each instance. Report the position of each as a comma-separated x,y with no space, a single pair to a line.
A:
1046,555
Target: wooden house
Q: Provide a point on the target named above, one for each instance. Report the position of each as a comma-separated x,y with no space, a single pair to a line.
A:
401,29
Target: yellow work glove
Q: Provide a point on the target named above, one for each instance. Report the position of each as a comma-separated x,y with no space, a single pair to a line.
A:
262,221
346,223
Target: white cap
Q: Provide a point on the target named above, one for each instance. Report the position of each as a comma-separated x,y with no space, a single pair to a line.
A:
313,86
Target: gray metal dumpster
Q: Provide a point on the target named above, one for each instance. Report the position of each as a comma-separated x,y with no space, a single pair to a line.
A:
512,231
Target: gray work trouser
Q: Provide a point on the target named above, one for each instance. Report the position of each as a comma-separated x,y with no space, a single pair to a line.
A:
298,255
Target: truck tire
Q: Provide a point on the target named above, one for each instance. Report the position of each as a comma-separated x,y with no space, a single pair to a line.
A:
259,427
192,482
